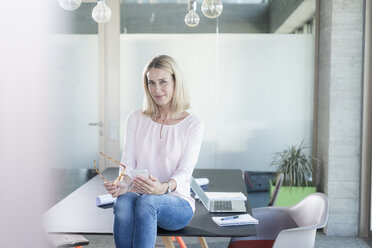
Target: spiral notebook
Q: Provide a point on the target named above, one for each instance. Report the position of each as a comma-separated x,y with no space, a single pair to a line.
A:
235,220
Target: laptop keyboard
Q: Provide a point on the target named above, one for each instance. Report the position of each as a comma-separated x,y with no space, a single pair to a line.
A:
222,205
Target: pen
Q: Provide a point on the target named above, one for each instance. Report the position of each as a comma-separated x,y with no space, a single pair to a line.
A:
230,217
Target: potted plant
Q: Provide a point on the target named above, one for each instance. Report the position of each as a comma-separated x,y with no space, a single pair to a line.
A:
296,166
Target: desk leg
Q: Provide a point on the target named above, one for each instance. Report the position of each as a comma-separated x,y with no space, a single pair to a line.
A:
168,243
202,242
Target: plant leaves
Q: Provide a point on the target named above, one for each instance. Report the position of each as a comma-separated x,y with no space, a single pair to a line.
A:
294,164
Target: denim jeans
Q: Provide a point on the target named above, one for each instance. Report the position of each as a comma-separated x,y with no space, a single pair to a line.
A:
137,217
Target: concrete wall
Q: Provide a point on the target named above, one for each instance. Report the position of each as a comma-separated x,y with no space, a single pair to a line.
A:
340,112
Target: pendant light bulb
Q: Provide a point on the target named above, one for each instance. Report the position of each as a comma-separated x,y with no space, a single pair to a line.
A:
101,13
192,18
69,4
212,8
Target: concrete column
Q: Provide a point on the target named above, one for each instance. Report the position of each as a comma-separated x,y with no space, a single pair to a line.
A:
340,111
365,185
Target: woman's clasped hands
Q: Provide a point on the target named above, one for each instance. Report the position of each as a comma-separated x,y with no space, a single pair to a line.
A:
144,184
149,185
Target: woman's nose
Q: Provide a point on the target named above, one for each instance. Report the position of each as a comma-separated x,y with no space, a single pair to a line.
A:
158,87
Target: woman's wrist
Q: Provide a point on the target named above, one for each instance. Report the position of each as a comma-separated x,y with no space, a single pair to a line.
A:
164,188
170,186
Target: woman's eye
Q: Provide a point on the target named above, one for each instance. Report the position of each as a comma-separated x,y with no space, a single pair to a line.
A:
163,82
150,83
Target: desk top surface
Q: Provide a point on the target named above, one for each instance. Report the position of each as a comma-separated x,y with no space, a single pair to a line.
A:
77,213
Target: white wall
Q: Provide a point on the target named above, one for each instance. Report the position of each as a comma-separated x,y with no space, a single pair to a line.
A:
254,92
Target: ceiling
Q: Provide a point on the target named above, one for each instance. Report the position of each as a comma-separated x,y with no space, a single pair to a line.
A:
182,1
186,1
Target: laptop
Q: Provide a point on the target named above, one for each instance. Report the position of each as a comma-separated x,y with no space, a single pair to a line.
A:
215,206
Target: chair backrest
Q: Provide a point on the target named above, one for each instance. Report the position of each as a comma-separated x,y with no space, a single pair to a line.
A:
278,185
309,214
311,211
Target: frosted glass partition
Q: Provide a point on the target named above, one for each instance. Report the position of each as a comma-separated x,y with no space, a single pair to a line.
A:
253,92
75,78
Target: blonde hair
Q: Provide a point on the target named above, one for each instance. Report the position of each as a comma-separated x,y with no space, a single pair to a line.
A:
180,99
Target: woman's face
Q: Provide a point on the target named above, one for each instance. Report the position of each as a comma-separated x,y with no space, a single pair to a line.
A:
161,86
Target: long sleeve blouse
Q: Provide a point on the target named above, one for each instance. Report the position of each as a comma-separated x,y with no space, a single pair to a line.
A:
166,152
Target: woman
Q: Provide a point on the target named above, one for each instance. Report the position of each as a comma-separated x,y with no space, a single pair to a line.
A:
164,139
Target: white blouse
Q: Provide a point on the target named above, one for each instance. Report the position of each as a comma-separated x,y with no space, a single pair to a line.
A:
166,152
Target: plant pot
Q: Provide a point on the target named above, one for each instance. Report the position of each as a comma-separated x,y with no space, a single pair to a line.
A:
289,196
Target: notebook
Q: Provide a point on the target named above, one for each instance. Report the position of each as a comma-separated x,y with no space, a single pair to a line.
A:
237,220
219,205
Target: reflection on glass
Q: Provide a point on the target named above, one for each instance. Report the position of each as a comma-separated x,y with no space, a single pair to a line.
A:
192,19
212,8
101,13
69,4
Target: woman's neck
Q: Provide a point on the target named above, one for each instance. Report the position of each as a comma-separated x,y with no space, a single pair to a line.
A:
169,118
166,113
166,116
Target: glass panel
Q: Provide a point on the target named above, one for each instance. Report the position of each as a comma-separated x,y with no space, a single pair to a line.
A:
75,75
76,79
253,90
168,18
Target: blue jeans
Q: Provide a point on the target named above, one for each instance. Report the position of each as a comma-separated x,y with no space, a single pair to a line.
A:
137,217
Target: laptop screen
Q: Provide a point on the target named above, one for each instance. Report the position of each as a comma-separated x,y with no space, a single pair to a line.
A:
199,191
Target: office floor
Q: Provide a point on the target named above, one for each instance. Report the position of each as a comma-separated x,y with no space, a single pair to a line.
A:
70,179
322,241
